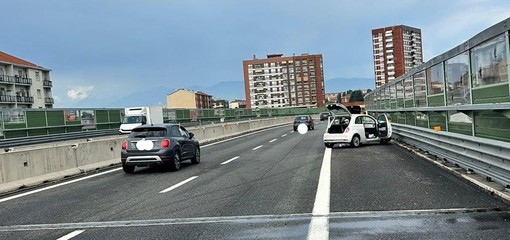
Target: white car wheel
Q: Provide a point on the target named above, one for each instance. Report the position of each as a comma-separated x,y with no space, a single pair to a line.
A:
355,142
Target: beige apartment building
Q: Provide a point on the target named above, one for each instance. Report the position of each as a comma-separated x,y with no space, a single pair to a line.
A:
279,82
24,84
183,98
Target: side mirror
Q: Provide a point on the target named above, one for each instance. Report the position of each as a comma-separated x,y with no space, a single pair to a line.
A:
191,135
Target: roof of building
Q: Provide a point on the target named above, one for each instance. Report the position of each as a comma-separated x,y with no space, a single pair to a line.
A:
7,58
190,91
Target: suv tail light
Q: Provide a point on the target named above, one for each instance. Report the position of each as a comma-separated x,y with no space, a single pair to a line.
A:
165,143
124,145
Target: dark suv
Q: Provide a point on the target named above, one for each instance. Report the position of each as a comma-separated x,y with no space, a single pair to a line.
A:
159,144
306,119
324,116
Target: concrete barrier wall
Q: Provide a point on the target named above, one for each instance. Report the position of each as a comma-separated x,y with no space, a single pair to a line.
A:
34,166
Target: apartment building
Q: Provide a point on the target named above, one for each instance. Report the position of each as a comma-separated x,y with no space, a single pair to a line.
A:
236,103
24,84
219,103
277,81
183,98
396,50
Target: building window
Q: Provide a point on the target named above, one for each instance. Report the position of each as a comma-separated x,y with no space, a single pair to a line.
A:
39,96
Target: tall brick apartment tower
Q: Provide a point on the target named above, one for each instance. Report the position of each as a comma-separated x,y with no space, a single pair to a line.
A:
397,49
277,81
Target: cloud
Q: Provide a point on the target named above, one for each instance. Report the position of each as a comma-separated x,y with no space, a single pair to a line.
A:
470,18
79,93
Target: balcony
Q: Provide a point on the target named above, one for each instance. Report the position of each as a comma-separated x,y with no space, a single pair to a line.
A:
47,83
6,79
24,100
7,99
49,100
22,80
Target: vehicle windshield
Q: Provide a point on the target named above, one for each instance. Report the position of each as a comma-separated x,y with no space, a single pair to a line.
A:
132,119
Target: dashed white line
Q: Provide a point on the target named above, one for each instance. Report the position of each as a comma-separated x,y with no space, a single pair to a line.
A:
71,235
291,131
230,160
178,184
284,135
319,226
255,148
56,185
272,140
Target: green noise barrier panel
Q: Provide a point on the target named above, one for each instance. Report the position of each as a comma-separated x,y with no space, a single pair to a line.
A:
493,125
55,118
36,119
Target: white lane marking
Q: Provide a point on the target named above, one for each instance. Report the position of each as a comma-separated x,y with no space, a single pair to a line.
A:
71,235
178,184
56,185
284,135
230,160
244,135
319,226
272,140
255,148
291,131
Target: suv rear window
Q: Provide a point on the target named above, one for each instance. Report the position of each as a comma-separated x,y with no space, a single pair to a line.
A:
302,118
147,132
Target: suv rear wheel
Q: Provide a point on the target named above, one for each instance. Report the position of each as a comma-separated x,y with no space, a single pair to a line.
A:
196,158
175,164
128,169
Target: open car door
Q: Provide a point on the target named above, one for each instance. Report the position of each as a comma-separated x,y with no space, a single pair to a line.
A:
383,126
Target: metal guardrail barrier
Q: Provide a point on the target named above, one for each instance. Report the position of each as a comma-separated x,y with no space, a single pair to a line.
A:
486,157
15,142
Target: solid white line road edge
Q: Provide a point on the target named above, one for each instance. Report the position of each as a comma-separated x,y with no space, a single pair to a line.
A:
319,226
57,185
178,184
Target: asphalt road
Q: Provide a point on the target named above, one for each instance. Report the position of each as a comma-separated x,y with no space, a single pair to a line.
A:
265,186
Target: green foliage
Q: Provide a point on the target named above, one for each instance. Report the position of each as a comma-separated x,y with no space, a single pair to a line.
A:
356,96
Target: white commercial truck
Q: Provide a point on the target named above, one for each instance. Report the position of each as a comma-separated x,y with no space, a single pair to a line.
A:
137,116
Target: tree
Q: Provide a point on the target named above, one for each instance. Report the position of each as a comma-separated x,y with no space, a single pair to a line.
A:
356,96
339,98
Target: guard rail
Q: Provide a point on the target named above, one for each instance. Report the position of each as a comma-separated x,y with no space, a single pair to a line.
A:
486,157
23,141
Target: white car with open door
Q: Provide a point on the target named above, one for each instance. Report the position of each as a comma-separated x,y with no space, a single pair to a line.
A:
352,127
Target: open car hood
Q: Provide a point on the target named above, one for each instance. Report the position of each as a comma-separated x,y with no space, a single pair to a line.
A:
339,109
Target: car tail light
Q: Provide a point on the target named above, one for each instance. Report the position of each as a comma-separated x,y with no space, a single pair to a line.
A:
165,143
124,145
346,130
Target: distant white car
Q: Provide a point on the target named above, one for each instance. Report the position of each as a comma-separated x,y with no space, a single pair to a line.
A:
355,129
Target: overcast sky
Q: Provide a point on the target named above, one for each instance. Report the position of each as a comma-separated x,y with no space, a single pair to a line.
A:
106,49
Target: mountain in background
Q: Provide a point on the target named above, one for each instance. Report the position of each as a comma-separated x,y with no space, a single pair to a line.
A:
336,85
228,90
